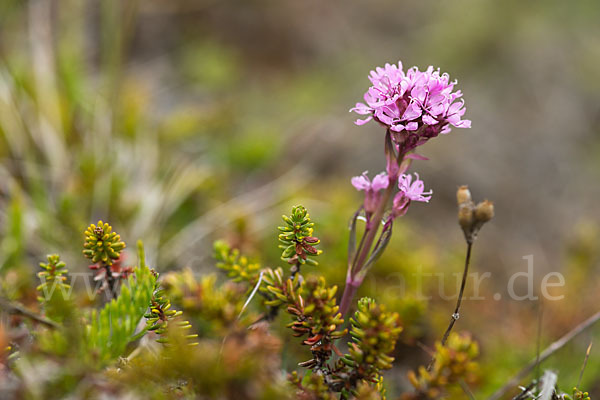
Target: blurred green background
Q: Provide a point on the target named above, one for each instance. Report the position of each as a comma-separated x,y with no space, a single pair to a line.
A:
185,121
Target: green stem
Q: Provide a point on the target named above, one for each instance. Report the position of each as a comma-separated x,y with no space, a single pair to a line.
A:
139,335
372,233
360,246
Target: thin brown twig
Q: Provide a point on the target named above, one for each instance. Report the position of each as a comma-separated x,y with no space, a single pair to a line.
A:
526,392
426,349
555,346
585,360
13,307
539,339
111,281
466,389
456,314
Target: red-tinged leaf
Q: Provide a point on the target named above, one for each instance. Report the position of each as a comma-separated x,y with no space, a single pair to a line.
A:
336,350
310,249
311,239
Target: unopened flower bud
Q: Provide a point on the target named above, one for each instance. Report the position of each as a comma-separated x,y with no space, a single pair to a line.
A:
465,216
463,195
484,211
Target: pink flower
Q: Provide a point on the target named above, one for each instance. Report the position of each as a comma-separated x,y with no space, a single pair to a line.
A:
364,183
371,188
415,106
413,190
409,191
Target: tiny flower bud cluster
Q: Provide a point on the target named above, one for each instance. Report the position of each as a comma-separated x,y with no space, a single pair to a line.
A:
53,275
104,247
579,395
453,363
203,298
374,332
237,267
102,244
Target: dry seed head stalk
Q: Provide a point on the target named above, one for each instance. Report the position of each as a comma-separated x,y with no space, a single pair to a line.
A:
463,195
102,244
484,211
465,208
472,217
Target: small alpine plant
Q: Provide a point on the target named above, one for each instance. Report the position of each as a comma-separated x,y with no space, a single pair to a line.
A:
249,331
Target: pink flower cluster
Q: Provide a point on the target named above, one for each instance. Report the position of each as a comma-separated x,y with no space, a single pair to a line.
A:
415,106
409,191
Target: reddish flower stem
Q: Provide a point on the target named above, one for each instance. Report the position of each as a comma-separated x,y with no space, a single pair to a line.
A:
349,292
369,235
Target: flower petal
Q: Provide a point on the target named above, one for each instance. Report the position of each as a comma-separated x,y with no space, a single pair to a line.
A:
429,120
361,182
380,181
412,126
362,121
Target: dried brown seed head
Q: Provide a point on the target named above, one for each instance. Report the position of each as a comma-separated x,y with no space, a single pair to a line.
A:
463,195
484,211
